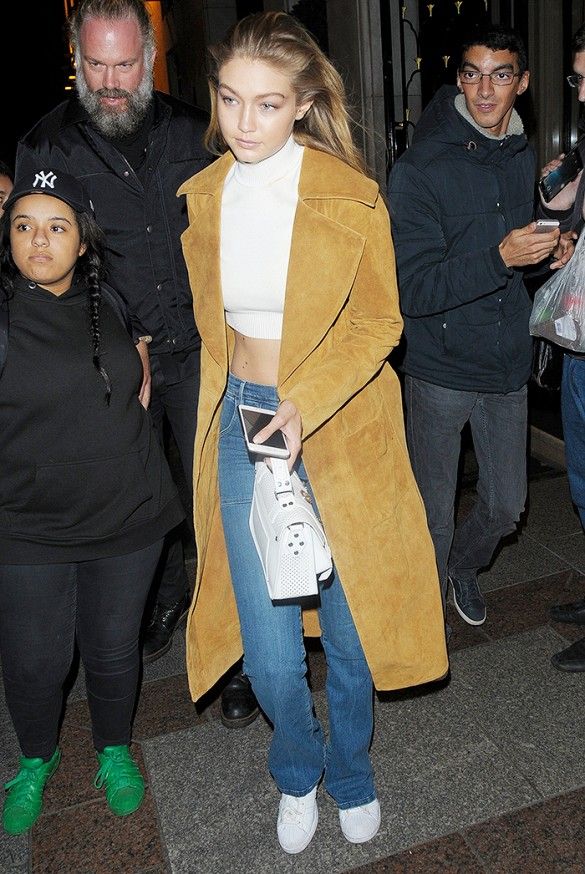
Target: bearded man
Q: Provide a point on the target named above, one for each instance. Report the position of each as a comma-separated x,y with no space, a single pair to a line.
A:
132,147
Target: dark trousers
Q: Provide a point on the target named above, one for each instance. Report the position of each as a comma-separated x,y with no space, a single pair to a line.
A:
175,391
43,608
573,413
436,417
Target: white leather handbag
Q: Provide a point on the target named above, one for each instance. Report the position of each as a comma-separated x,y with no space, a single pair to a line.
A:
289,537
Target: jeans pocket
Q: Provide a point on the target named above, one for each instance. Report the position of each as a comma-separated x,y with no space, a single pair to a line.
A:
228,414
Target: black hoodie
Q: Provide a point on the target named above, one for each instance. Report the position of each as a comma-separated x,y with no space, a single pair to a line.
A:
454,195
79,478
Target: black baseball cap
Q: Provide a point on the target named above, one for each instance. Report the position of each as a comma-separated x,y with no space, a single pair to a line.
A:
56,183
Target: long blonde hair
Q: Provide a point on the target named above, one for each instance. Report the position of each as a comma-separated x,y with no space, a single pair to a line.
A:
281,41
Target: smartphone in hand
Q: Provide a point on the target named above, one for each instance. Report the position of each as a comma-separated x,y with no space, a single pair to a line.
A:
254,419
556,180
544,226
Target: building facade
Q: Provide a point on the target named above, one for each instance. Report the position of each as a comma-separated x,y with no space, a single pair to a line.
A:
393,54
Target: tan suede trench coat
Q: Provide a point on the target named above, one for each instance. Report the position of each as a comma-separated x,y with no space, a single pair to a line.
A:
341,319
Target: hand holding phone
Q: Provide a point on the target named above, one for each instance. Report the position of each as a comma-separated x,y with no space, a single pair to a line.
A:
543,226
254,419
553,183
522,247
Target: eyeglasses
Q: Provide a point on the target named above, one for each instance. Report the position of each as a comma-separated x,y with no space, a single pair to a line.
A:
575,80
498,77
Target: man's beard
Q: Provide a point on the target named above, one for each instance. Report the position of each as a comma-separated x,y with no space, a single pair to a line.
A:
115,123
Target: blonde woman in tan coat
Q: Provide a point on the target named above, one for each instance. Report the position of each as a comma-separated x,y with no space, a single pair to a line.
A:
292,271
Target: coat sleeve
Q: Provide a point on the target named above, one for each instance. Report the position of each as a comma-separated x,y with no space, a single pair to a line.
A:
431,279
373,326
563,216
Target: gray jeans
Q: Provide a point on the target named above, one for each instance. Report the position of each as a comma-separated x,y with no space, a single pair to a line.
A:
435,419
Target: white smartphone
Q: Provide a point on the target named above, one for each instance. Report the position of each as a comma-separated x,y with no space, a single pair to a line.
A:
543,226
254,419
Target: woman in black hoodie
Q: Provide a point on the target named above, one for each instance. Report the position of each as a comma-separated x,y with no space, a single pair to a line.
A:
86,496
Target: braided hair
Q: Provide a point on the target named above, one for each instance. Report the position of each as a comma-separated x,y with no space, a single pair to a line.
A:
89,268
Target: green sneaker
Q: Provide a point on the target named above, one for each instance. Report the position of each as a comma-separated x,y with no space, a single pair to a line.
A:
24,799
124,783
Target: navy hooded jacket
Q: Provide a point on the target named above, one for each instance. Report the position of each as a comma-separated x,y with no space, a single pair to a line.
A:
454,195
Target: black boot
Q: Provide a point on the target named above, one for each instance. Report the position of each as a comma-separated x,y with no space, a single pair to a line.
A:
159,631
238,703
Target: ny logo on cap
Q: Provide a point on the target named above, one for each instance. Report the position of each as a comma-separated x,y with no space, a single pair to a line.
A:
44,180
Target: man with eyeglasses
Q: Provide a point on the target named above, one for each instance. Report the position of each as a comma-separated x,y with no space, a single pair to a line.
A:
461,201
569,208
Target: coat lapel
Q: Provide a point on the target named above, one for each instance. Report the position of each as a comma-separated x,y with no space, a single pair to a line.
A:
324,259
202,254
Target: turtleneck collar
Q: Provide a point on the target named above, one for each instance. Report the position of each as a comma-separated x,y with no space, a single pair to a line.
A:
515,126
270,170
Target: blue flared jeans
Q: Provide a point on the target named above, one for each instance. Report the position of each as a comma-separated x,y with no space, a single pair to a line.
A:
573,413
274,651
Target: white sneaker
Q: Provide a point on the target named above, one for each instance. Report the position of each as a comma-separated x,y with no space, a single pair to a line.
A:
360,824
297,821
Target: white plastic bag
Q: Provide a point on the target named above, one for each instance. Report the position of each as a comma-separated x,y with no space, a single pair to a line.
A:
558,311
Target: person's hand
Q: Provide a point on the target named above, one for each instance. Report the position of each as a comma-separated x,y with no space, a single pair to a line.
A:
288,419
564,251
144,393
566,196
524,246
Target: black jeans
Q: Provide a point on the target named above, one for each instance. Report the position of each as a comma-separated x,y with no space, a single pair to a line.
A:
42,609
175,391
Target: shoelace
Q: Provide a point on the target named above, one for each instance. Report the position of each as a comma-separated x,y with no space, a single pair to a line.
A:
361,810
468,594
122,764
293,813
26,781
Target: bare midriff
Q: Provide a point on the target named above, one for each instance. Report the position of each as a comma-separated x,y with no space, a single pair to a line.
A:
255,360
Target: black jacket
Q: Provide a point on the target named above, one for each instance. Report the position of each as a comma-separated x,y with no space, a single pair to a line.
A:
454,195
142,217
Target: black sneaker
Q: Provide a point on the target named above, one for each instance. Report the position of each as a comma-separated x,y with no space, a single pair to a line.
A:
163,624
468,601
572,658
574,612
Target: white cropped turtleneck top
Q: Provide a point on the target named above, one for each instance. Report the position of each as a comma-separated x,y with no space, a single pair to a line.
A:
258,208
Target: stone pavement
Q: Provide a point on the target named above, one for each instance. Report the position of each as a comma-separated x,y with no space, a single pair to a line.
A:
484,772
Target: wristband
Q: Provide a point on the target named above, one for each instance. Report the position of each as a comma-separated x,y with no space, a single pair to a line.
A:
146,339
